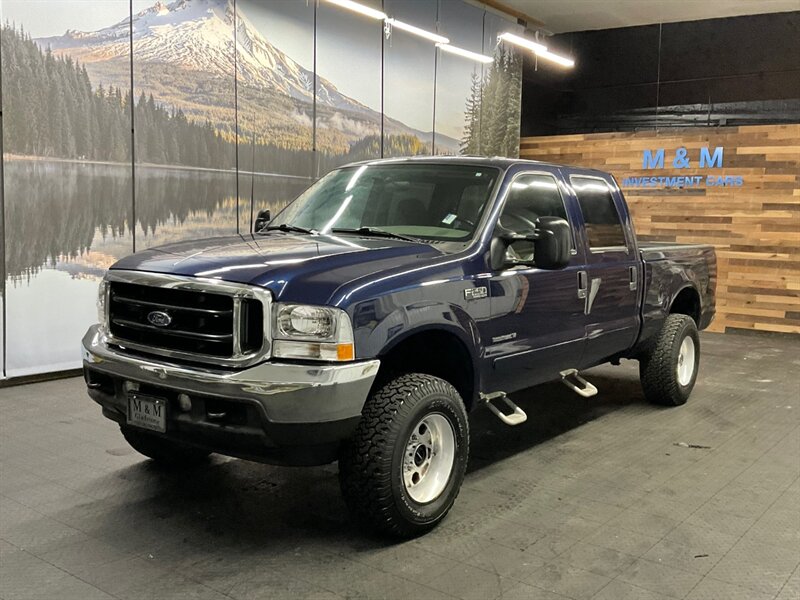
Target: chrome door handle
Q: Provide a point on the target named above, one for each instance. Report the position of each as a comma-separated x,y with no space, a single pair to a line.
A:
583,284
633,278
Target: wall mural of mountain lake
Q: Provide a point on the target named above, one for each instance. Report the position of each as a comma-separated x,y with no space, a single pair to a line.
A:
216,85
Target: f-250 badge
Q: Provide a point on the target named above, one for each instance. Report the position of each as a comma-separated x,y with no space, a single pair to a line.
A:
476,293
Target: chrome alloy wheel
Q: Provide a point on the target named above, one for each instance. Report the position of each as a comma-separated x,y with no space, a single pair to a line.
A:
428,459
685,367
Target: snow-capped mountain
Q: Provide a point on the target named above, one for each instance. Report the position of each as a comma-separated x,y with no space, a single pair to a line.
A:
196,37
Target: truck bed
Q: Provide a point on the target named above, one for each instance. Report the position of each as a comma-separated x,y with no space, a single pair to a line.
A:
670,268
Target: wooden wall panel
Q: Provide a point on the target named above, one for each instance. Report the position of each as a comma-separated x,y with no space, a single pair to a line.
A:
755,228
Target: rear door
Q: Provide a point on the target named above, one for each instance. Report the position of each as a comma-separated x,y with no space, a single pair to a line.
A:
612,272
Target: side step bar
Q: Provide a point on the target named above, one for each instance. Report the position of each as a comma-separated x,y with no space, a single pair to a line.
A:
577,384
515,418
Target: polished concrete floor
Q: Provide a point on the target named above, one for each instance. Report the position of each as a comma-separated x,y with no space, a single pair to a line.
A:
605,498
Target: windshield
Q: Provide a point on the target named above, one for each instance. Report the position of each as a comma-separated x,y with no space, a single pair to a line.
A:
438,202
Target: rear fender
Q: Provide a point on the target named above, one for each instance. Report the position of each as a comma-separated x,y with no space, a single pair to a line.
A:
664,282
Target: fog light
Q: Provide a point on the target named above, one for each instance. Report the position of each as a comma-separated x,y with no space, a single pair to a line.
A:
184,402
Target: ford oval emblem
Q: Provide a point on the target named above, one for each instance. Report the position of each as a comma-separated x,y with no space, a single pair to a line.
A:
159,318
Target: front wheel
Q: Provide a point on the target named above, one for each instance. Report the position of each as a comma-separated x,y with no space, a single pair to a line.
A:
668,370
402,470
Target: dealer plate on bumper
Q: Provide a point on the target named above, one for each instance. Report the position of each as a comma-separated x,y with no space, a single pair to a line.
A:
147,412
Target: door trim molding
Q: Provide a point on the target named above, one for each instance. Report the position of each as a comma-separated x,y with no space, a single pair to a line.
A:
532,350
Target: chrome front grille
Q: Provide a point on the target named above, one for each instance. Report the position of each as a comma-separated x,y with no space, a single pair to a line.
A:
201,320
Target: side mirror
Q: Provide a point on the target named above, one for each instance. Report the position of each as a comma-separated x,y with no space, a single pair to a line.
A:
262,219
551,245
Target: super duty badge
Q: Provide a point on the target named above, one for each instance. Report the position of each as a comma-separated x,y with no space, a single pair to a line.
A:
476,293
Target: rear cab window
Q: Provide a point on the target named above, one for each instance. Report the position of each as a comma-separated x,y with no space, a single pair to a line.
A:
602,221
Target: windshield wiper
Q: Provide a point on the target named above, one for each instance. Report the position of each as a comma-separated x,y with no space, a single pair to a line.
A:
374,232
285,227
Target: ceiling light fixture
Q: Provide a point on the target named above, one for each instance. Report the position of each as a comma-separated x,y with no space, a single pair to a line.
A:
537,48
440,39
521,41
564,61
465,53
360,9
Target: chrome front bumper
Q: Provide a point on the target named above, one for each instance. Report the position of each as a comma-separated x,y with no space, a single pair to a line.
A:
287,393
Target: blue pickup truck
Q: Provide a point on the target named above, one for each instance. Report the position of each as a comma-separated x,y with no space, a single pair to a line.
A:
368,318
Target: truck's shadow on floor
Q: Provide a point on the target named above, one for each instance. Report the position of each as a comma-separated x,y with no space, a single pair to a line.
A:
241,505
552,409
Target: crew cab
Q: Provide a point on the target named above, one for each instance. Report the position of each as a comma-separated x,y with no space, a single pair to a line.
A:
368,318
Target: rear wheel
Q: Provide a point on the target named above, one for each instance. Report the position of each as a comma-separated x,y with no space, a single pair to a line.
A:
402,470
668,370
163,451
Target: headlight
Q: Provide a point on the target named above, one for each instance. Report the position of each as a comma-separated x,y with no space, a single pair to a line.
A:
299,321
102,303
312,333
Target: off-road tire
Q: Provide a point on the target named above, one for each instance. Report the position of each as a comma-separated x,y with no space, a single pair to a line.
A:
658,368
371,463
163,451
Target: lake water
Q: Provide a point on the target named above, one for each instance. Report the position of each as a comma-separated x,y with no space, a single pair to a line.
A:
66,223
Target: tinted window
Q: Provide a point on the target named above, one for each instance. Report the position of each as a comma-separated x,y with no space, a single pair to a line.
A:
603,225
530,197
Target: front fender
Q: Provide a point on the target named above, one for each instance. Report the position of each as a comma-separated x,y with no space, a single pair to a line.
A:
381,324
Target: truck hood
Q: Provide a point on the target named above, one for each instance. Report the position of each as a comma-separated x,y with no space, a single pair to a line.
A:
295,267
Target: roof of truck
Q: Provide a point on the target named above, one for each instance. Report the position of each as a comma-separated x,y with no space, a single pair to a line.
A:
489,161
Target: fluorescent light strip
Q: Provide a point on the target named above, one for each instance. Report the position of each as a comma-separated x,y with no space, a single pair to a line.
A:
441,41
465,53
538,49
360,8
418,32
381,16
521,41
556,58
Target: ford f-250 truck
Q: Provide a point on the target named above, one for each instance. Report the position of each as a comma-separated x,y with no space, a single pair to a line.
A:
371,315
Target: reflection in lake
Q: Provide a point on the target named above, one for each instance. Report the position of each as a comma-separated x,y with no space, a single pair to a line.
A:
80,213
54,209
67,222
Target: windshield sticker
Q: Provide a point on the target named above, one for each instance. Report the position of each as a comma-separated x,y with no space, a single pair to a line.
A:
448,220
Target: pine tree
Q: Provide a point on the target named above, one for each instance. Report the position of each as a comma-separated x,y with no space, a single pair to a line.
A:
470,143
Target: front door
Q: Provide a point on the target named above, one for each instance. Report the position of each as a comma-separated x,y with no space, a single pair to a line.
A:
536,328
